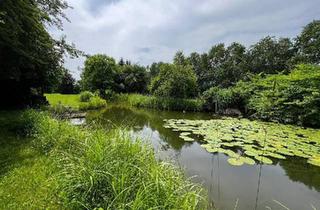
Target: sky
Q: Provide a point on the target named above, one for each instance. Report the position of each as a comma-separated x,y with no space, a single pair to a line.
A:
147,31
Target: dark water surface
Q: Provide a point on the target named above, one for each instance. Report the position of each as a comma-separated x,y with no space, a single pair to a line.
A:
287,184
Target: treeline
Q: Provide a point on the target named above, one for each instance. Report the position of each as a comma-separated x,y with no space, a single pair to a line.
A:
266,81
189,76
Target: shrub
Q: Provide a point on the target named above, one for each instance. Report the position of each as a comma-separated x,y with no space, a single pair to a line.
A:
161,103
94,103
85,96
292,98
288,98
217,99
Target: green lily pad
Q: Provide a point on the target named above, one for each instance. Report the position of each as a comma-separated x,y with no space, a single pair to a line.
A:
263,160
257,139
248,160
235,161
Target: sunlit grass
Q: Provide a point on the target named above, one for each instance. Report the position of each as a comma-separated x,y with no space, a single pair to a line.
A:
57,100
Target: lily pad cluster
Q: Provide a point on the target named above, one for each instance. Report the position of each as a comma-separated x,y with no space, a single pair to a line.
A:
253,140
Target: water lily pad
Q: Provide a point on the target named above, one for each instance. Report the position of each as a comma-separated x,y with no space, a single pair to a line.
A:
235,161
315,160
248,160
263,159
256,139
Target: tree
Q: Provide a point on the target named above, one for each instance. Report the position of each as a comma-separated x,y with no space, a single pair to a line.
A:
308,43
67,84
155,69
30,58
133,78
99,73
235,66
271,55
179,59
174,81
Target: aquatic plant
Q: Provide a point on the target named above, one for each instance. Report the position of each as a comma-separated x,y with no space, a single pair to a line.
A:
260,141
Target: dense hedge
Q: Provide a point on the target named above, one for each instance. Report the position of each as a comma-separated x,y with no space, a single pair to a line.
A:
287,98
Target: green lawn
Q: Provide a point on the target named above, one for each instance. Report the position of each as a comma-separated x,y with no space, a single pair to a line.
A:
73,101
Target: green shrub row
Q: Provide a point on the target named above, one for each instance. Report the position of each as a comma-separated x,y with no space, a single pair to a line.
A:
161,103
288,98
109,170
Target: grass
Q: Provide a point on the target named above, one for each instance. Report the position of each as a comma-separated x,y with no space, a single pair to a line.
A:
60,102
60,166
27,177
160,103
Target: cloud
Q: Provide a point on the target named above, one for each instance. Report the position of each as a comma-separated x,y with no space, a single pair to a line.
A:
145,31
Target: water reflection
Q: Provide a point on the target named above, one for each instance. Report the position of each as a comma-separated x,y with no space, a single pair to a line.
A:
289,183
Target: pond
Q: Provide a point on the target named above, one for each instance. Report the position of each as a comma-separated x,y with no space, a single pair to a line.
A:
289,183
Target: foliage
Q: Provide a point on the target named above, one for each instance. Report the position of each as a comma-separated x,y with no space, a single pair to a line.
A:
29,56
174,81
308,43
133,79
155,69
217,99
271,55
67,83
160,103
99,73
85,96
293,98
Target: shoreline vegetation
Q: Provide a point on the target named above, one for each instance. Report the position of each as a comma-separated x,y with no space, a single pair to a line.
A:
47,163
67,167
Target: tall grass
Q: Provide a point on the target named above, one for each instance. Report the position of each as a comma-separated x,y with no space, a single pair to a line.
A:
110,170
161,103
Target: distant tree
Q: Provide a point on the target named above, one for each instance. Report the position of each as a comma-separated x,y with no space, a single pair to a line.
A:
121,62
271,55
99,73
155,69
174,81
68,83
235,66
133,78
179,59
308,43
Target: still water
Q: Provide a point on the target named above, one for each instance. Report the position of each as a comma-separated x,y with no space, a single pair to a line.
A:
287,184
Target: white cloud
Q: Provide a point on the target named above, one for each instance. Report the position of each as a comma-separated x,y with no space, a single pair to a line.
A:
153,30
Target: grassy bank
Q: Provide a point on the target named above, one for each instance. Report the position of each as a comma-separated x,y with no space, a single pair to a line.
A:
60,166
161,103
60,102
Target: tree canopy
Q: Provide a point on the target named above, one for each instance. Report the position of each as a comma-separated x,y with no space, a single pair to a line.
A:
174,81
29,56
99,73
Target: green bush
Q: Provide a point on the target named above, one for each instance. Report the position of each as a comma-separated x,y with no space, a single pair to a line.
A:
95,103
217,99
85,96
174,81
292,98
110,170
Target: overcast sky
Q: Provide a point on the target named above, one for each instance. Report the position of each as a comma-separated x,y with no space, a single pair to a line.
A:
146,31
